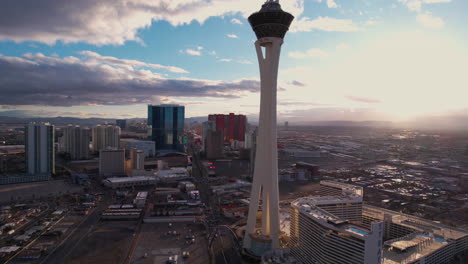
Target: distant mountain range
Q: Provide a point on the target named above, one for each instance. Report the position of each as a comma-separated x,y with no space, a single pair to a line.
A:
56,120
459,122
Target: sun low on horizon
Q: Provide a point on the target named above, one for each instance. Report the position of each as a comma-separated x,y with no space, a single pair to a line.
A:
355,60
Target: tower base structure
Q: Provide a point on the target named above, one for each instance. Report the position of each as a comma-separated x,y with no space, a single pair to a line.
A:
259,244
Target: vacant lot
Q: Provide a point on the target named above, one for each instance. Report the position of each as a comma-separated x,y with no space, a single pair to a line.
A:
108,243
155,246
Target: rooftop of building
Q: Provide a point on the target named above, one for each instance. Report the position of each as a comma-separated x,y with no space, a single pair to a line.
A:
339,184
108,150
301,163
40,123
141,195
313,201
129,179
331,221
411,247
166,105
237,184
173,172
416,223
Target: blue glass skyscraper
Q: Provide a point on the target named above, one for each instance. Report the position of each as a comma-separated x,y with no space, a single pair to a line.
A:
166,126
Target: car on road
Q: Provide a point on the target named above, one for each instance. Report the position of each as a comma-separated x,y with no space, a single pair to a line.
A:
173,259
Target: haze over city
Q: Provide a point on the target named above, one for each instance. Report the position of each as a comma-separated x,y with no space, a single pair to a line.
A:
359,60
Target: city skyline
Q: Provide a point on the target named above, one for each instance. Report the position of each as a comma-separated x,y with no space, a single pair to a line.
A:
196,131
354,60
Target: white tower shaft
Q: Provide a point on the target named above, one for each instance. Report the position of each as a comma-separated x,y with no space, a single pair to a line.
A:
265,179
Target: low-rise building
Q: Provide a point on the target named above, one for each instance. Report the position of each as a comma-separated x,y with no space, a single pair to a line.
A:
128,182
140,199
173,174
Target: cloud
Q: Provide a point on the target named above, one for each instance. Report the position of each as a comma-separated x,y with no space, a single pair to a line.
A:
240,61
53,113
304,24
311,53
416,5
371,22
363,99
297,83
412,5
192,52
103,22
93,57
342,47
426,19
236,21
436,1
330,3
232,36
244,61
92,79
290,103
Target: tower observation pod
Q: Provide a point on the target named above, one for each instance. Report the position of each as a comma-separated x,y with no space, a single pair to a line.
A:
270,25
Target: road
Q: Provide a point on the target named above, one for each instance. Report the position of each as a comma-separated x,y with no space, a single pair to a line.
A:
64,250
223,246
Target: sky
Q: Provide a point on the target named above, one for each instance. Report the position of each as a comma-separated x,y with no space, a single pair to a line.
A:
355,60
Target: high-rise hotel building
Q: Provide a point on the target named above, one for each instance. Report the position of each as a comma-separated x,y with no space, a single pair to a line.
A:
40,152
339,228
105,137
232,126
166,126
327,229
75,141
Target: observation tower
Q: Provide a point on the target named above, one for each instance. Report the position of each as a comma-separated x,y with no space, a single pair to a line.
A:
270,25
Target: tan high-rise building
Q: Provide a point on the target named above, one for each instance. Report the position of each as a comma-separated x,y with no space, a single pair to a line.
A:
105,136
75,141
137,159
